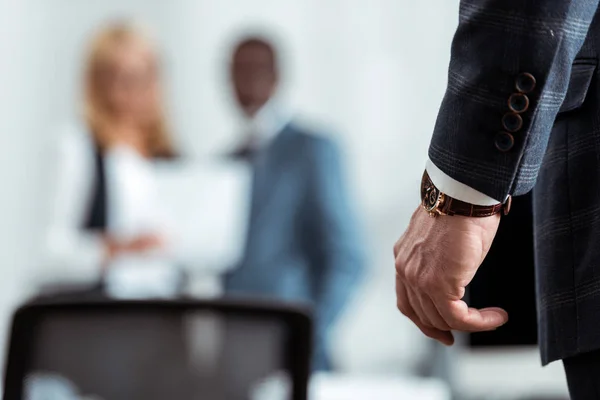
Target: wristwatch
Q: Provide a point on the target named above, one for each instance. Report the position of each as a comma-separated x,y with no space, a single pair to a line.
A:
437,203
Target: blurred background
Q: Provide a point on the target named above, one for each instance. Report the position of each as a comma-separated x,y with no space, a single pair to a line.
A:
367,77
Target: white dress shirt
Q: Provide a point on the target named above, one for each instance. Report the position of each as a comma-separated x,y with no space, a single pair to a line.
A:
456,189
266,124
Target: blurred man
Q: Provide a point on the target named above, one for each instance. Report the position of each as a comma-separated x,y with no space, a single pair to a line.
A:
302,241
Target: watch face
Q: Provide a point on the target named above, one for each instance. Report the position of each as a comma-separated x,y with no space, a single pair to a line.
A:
430,195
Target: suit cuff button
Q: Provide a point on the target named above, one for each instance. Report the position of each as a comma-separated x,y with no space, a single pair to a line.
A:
518,103
512,122
504,141
525,83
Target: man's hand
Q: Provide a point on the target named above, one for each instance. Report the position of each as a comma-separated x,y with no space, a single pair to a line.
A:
436,259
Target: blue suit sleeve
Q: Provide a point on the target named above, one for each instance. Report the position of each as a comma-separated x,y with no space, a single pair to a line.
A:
334,237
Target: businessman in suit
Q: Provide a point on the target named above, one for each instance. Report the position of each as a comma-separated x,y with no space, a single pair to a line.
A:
521,110
303,241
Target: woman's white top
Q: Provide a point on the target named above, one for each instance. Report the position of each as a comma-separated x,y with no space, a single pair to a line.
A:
200,208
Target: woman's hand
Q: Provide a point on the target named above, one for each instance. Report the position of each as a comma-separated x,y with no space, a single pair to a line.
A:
140,244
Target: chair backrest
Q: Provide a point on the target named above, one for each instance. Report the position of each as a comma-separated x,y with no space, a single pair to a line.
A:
155,350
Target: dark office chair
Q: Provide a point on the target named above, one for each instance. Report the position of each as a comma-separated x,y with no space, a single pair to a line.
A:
156,350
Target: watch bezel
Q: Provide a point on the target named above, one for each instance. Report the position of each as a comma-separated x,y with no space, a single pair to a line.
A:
428,192
435,208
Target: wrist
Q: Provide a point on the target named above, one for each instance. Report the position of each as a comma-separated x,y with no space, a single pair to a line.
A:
111,248
436,202
456,189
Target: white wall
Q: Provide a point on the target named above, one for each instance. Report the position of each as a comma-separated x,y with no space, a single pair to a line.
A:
18,171
373,71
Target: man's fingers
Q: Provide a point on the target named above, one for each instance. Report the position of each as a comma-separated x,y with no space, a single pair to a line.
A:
445,337
460,317
415,303
396,248
433,314
493,315
405,307
402,300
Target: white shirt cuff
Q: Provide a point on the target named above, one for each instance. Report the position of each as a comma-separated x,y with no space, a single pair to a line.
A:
457,190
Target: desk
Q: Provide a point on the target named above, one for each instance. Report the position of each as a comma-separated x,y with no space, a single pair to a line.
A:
360,387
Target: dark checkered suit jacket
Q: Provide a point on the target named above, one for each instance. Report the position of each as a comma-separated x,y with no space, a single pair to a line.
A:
522,109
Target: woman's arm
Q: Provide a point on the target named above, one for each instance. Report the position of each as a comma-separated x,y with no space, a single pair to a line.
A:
72,254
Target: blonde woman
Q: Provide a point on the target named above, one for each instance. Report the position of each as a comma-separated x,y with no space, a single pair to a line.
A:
108,226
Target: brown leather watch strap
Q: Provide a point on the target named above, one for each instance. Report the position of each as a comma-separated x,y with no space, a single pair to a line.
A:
451,206
436,202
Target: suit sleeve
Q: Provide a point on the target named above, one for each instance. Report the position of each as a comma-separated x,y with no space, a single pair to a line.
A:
509,73
333,237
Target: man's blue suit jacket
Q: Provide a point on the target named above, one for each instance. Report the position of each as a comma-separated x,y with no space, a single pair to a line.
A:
303,240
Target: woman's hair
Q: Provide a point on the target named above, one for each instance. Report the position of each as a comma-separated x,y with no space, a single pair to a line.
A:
159,142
